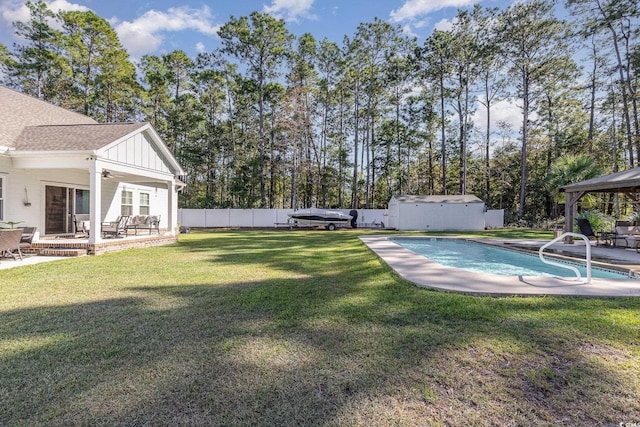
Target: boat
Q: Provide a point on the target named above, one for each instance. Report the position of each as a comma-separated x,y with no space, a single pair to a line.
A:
317,217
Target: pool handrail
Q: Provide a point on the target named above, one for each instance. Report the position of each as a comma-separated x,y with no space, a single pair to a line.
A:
570,267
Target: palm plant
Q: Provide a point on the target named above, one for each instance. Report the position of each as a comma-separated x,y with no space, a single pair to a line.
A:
568,169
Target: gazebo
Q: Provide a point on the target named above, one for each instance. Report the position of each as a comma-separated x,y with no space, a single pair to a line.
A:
625,182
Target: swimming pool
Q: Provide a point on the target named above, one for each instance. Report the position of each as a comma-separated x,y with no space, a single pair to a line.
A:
477,257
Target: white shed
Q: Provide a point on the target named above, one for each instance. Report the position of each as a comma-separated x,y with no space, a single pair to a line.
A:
438,213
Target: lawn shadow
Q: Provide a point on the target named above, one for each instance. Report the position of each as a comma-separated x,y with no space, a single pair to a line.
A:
337,338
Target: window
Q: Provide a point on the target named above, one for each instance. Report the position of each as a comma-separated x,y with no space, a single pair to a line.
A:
82,201
2,185
126,203
144,203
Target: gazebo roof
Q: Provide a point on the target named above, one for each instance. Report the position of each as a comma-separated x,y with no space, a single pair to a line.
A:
627,181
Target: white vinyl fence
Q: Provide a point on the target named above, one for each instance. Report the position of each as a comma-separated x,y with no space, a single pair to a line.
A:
494,218
248,218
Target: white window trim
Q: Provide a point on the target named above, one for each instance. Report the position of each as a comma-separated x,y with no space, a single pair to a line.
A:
122,205
3,196
148,205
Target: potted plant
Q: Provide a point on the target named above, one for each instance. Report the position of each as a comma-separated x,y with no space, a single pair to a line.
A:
12,223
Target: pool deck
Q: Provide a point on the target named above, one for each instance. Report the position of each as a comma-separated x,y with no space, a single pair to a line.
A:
429,274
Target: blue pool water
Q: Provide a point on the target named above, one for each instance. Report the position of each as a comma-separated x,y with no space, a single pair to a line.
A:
477,257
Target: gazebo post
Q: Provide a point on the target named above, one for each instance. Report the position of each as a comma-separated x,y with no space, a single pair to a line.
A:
571,198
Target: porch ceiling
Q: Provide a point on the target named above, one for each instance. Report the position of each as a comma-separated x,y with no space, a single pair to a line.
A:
117,172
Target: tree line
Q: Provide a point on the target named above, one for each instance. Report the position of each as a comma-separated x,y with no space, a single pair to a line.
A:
273,120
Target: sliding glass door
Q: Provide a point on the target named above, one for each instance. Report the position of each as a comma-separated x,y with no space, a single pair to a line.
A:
61,204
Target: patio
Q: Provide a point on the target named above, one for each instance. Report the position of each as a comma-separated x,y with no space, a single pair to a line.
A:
51,248
626,257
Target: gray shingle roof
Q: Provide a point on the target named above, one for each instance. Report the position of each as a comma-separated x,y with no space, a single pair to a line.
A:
454,198
626,181
28,124
72,137
18,111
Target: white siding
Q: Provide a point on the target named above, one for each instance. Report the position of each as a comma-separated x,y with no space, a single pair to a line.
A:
440,216
138,151
111,198
34,181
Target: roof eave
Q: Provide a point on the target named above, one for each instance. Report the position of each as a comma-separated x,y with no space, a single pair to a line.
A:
178,171
39,153
629,187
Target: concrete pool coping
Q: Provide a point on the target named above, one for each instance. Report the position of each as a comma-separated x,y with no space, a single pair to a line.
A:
428,274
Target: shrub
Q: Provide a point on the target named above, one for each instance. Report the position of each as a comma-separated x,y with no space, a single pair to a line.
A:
599,221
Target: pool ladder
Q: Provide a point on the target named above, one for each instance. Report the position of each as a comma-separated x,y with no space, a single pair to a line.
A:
570,267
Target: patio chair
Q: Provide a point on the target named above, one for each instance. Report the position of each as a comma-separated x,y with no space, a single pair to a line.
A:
585,228
28,234
627,233
115,228
81,223
10,242
154,223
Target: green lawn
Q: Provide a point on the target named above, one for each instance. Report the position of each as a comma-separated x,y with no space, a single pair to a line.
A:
300,328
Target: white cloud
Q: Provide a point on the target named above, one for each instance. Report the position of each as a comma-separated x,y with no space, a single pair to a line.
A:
506,111
443,25
407,30
200,47
290,10
145,34
140,36
412,9
12,11
17,10
420,24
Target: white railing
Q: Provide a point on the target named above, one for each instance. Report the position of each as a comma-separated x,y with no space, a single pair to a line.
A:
570,267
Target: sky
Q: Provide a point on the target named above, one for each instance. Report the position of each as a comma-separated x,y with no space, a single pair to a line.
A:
161,26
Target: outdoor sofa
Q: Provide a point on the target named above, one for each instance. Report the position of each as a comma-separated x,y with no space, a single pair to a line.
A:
125,223
143,222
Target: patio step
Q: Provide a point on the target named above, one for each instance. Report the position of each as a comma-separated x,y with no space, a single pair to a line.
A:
62,252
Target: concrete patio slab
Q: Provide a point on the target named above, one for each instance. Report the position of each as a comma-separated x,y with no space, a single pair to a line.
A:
27,260
429,274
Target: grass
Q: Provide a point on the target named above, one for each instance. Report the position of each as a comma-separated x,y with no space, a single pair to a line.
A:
300,328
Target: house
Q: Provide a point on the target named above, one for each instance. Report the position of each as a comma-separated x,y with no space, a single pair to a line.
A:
56,164
436,213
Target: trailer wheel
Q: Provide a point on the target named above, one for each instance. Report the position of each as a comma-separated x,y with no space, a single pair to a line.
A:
331,227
